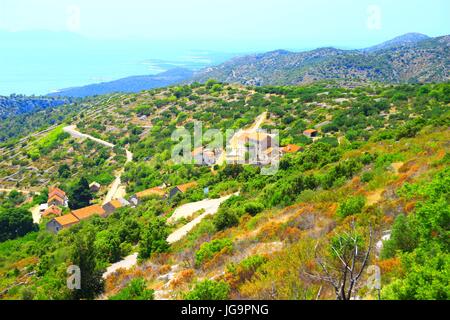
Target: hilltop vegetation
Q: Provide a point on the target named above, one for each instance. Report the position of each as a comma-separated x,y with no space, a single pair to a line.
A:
398,62
379,164
18,104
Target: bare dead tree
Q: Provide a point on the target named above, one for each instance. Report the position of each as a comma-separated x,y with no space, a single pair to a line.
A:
345,269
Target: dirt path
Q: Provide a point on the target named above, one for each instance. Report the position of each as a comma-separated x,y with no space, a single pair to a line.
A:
210,206
116,190
259,121
127,263
78,135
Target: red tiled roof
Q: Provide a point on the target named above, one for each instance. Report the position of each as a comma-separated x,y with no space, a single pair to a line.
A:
56,191
291,148
158,191
185,187
52,210
67,220
57,198
87,212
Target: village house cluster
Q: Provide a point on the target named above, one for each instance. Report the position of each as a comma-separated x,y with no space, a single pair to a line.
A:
246,147
249,147
60,222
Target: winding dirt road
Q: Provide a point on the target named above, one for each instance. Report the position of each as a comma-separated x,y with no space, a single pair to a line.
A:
210,206
116,190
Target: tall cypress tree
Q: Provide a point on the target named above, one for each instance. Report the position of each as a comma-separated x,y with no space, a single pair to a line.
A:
80,196
83,256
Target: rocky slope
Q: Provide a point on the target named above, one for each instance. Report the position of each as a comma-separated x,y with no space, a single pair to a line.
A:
408,59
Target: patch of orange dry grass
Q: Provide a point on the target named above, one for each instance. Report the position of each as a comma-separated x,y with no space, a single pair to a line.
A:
21,264
284,216
182,278
218,259
270,230
374,197
164,269
390,265
291,235
116,281
388,220
441,154
397,166
410,206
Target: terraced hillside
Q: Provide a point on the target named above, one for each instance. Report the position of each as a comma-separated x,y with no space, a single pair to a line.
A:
377,167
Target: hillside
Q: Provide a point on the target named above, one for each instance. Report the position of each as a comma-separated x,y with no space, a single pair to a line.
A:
14,105
127,85
409,39
408,59
377,167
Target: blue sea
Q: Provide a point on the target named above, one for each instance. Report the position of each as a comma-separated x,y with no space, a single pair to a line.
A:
41,63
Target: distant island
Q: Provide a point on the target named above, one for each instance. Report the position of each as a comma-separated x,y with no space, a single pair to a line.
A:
128,85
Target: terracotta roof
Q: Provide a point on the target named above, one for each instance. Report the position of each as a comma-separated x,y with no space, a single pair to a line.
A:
88,212
56,191
291,148
185,187
157,191
52,210
67,220
56,197
310,131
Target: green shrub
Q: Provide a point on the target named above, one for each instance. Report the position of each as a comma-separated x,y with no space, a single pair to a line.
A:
225,218
404,238
209,290
245,269
209,249
15,222
154,239
351,206
135,290
367,176
253,208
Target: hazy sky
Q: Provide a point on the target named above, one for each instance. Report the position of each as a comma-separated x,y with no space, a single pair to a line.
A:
237,25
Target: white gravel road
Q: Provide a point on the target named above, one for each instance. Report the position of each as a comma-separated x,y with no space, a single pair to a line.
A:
127,263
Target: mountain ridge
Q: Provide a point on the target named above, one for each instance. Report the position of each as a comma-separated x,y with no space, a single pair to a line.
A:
397,61
412,57
406,39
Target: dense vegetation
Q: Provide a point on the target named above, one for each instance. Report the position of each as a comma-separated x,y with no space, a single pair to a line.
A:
18,104
380,164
